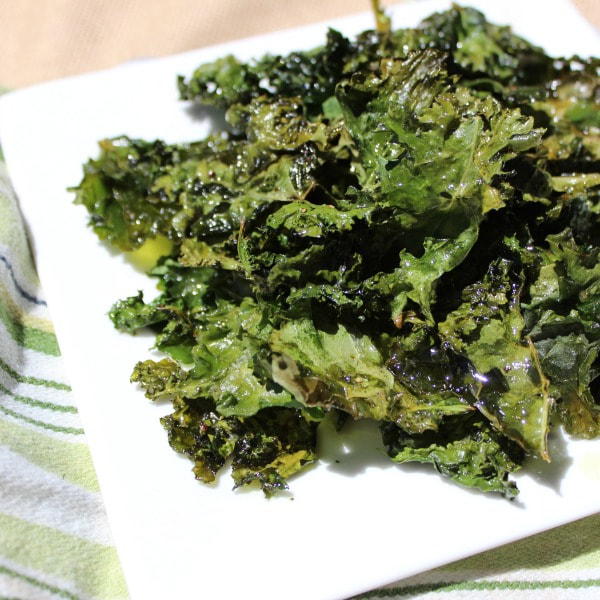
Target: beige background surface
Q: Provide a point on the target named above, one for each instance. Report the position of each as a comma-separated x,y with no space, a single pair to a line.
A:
45,39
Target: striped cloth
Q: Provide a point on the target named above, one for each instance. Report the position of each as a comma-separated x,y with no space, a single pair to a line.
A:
54,537
560,564
55,541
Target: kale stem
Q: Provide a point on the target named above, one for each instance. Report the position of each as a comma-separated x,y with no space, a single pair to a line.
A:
382,21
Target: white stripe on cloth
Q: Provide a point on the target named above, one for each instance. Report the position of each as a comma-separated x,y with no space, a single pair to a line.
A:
29,362
37,393
37,496
48,416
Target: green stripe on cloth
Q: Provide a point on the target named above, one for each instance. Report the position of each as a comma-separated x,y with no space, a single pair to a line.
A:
42,424
33,380
38,584
574,546
28,337
481,586
550,560
93,569
42,560
38,403
69,460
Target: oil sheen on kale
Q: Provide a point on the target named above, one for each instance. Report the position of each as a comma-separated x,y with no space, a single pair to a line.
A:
401,227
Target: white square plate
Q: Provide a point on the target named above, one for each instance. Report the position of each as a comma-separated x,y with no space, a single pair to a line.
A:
352,525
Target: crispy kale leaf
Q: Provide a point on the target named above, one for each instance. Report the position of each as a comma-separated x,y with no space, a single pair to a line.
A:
468,450
401,227
267,447
487,328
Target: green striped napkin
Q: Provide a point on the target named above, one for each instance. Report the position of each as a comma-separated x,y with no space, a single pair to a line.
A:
54,537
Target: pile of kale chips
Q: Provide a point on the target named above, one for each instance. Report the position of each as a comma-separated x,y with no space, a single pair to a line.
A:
403,227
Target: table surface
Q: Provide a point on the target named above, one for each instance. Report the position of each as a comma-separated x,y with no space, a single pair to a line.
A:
54,38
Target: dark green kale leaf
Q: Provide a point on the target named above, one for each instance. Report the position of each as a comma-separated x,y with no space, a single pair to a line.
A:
568,361
485,54
487,328
481,49
275,444
268,448
310,75
466,449
124,189
564,305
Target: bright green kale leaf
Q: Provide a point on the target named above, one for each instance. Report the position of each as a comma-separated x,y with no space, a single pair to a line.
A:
428,145
224,351
345,370
133,313
339,370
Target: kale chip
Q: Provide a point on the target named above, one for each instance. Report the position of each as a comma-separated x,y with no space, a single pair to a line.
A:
402,227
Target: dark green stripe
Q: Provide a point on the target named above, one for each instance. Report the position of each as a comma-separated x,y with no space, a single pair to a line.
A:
20,289
38,403
480,586
34,380
50,426
29,337
40,584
